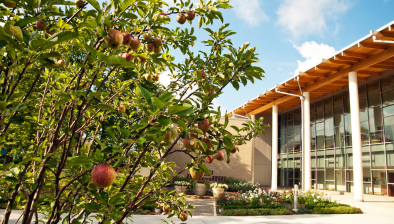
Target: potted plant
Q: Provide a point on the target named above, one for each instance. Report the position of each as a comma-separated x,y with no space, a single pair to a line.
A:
181,186
200,187
218,189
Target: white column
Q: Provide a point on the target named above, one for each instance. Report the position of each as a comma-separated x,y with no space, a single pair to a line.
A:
307,145
356,137
274,162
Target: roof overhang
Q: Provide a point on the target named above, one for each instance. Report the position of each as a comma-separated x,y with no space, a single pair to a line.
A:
368,56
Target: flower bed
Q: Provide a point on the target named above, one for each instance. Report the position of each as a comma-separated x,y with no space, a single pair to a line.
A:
264,202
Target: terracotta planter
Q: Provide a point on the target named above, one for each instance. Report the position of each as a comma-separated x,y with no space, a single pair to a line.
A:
180,189
200,189
217,191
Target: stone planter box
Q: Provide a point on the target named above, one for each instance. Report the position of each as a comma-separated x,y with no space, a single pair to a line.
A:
200,189
217,191
180,189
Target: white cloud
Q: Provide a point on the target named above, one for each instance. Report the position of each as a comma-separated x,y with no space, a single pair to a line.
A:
313,54
165,78
216,104
305,17
249,11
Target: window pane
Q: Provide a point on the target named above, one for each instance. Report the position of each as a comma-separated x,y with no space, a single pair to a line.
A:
378,160
388,111
313,162
339,162
363,110
373,93
388,83
346,102
365,139
329,143
328,108
349,161
338,100
338,116
389,128
339,137
348,124
290,115
390,160
388,98
297,117
362,93
319,116
375,119
320,140
320,161
348,140
366,159
364,127
376,137
320,126
379,182
330,163
320,105
290,131
312,112
329,128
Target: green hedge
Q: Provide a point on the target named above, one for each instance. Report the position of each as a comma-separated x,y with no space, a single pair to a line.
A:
337,210
253,212
252,206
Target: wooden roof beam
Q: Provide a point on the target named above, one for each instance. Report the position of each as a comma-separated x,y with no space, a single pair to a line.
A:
312,74
390,67
368,73
347,59
373,46
322,68
354,55
337,62
382,34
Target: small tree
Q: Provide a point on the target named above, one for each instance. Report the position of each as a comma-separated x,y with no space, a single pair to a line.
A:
76,93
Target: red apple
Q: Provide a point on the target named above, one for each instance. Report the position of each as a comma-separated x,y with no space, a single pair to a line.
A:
193,133
41,25
150,47
183,216
234,150
126,38
79,3
219,156
103,176
114,38
168,136
61,63
209,159
158,41
127,56
121,109
9,5
147,37
204,125
135,44
141,59
203,75
166,208
190,15
181,18
189,143
207,142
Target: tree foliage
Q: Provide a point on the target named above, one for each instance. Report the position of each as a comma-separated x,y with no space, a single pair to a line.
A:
58,122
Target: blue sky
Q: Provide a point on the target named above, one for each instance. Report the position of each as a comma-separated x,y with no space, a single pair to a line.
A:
293,35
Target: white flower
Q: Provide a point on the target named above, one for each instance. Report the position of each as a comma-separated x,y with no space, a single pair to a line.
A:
318,197
314,200
313,195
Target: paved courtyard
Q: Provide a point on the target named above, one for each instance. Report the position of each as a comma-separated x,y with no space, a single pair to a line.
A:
378,210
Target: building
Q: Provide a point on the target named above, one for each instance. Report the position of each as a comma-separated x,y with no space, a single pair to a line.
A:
343,108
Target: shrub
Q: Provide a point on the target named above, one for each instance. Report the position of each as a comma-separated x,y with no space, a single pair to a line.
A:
231,181
187,179
337,210
252,206
218,185
253,212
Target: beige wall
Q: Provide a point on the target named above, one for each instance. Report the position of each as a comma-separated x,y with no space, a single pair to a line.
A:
240,165
262,154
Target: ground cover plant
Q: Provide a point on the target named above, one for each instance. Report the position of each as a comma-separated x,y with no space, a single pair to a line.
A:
235,185
264,202
82,110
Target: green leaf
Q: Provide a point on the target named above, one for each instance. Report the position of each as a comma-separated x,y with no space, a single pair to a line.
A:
228,143
145,93
165,122
105,107
175,109
180,123
224,6
141,140
166,96
66,220
157,102
15,119
205,169
110,133
202,144
225,121
95,4
60,37
92,206
23,22
235,85
34,159
130,16
99,155
185,112
125,132
125,4
79,160
11,179
117,196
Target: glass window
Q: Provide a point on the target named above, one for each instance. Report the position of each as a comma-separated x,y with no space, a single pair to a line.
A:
313,162
320,126
290,115
366,159
339,137
320,140
348,124
348,140
388,111
312,112
388,83
320,105
320,162
388,98
319,116
297,117
373,93
364,127
390,160
330,162
390,178
378,160
349,161
328,108
375,119
363,110
346,102
364,139
362,93
290,145
329,128
329,143
389,128
338,100
338,116
339,162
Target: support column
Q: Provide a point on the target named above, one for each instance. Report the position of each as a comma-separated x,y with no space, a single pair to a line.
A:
307,145
274,162
356,137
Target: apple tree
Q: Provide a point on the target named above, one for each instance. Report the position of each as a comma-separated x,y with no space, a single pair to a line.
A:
82,110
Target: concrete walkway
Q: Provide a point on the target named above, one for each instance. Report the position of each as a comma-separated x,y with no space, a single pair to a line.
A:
378,210
204,207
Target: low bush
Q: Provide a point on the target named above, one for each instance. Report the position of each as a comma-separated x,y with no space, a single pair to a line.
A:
337,210
253,212
252,206
181,179
231,180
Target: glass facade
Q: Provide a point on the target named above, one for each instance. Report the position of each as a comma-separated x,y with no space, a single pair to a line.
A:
331,141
